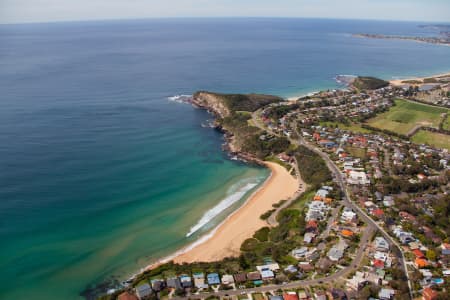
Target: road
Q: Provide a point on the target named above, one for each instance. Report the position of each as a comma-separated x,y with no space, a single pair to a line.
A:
272,220
341,182
339,275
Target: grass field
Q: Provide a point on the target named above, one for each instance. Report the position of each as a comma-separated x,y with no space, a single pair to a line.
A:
446,124
406,115
432,138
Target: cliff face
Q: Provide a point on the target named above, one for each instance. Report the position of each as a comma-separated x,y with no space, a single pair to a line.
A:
233,111
211,102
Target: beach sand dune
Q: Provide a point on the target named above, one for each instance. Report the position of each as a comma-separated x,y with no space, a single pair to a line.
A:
241,225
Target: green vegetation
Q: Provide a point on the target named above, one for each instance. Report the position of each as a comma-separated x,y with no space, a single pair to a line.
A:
354,127
301,201
258,296
435,139
262,234
267,214
406,115
369,83
312,167
263,147
251,139
356,152
241,102
446,123
276,160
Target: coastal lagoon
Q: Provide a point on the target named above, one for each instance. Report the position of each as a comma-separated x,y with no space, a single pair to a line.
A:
102,171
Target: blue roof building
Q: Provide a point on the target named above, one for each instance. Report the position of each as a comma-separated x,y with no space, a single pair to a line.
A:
213,278
267,274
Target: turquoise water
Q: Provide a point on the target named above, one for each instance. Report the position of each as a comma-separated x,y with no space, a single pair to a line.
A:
101,174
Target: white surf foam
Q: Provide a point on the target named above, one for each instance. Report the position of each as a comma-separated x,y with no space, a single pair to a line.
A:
234,197
180,98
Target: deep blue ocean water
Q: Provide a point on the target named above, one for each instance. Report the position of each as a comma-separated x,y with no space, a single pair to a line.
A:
101,174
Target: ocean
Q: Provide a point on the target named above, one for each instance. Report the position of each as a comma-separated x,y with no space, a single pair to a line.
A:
102,171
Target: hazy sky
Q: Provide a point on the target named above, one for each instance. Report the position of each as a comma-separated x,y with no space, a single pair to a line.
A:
17,11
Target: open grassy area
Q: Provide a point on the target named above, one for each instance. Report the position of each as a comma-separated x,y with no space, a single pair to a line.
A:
301,201
352,127
432,138
406,115
446,124
356,152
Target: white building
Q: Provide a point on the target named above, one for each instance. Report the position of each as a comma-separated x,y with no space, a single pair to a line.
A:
355,177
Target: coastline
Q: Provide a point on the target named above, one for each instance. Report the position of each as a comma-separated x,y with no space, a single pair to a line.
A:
400,80
226,238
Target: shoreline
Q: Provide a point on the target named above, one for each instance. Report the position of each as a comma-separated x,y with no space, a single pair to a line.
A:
224,240
400,80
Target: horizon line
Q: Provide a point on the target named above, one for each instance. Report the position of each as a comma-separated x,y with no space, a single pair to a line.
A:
221,17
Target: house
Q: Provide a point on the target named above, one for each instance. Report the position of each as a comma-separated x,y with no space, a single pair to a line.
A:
379,264
420,263
186,281
213,279
291,269
429,294
302,295
308,237
299,252
357,177
240,278
127,296
445,249
379,213
418,253
337,252
338,294
381,244
348,216
388,201
311,226
386,294
347,233
199,281
272,267
174,283
143,290
227,279
305,267
381,256
158,284
290,296
254,276
267,274
320,295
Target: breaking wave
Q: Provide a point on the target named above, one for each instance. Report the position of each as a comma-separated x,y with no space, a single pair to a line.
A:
180,98
235,196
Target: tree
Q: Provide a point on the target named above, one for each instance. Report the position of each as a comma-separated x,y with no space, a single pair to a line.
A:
431,255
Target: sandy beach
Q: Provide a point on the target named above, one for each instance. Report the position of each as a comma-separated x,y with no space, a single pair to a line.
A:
399,81
227,239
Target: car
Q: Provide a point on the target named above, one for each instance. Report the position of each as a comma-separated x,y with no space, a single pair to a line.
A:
320,281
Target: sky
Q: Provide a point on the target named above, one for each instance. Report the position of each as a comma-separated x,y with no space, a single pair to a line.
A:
24,11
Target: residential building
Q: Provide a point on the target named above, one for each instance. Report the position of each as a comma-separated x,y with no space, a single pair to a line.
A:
213,279
143,290
227,279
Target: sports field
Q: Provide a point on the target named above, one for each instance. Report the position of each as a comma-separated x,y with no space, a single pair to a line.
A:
406,115
435,139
